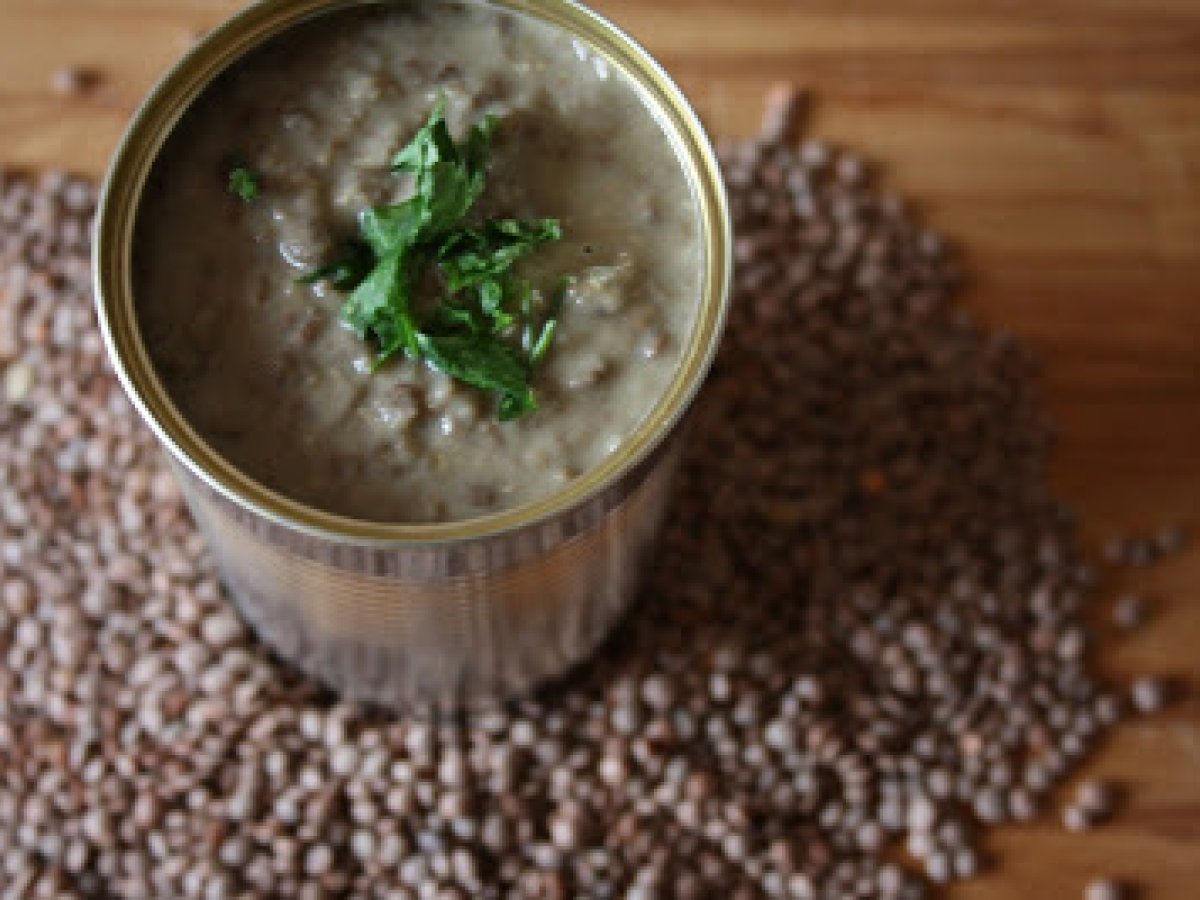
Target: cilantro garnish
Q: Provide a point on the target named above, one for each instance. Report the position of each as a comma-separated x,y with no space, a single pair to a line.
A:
476,256
351,267
539,346
470,334
243,183
480,359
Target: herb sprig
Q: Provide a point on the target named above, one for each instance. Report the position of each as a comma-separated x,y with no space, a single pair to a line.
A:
469,334
243,183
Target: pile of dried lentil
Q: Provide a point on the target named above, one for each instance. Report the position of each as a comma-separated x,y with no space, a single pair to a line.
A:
863,627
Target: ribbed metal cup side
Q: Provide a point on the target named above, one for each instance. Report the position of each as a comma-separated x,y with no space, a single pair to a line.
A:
444,624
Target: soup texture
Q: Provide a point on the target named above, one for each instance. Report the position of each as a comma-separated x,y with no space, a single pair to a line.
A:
262,363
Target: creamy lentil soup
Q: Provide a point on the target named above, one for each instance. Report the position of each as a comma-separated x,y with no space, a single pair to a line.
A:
262,365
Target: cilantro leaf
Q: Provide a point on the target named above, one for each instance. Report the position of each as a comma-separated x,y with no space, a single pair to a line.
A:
384,228
513,406
381,307
451,317
429,144
541,345
243,183
492,295
453,191
348,271
449,179
470,256
527,317
469,334
486,362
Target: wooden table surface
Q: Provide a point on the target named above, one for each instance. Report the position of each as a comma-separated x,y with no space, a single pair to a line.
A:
1057,140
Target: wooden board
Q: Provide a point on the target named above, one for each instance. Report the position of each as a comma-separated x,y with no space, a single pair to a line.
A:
1057,140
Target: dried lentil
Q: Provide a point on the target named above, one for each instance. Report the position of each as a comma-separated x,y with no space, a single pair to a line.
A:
865,617
1148,694
1105,889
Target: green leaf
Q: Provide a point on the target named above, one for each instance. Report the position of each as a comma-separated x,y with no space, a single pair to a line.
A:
451,193
449,178
486,362
538,347
427,143
449,318
542,345
243,183
513,406
492,301
346,272
526,316
470,256
482,360
388,228
467,334
381,307
479,146
491,297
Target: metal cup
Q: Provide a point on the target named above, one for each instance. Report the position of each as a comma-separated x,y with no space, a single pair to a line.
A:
448,614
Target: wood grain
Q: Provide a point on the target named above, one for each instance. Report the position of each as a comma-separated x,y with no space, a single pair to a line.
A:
1058,141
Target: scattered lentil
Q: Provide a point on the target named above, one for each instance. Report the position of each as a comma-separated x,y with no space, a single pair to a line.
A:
1129,611
864,619
1105,889
1148,694
73,81
1170,539
1096,798
1077,818
1144,549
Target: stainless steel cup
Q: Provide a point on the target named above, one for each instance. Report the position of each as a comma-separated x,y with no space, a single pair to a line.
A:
447,614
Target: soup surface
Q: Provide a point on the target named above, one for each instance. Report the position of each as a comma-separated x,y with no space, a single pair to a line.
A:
263,365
